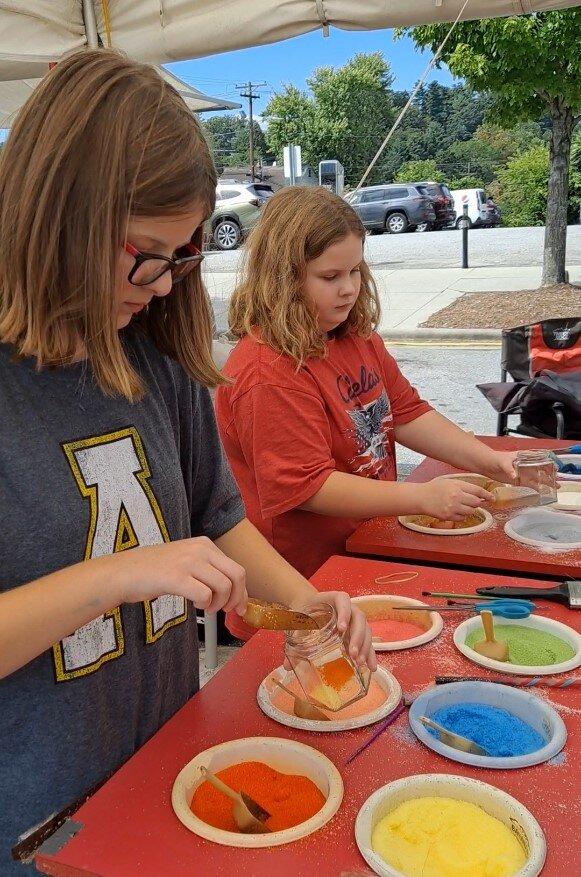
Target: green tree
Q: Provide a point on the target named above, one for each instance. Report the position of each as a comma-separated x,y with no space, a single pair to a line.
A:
419,170
228,138
468,182
346,118
532,66
575,178
523,187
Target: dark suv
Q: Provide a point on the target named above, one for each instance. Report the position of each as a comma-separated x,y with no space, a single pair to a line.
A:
393,208
441,198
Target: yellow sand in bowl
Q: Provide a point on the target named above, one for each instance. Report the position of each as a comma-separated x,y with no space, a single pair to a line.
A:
442,837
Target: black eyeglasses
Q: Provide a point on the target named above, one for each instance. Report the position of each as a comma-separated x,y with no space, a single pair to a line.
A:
150,266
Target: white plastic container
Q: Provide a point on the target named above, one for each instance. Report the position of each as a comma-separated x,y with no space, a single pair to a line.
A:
523,704
494,802
545,624
382,678
286,756
380,606
546,530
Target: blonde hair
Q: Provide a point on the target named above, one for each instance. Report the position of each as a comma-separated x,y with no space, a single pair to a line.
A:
297,225
101,138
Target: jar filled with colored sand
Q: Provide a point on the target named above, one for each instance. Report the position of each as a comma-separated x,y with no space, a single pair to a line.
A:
328,676
499,732
290,799
528,646
444,837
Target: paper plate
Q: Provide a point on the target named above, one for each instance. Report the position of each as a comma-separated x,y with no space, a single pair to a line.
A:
388,682
286,756
409,521
546,530
377,606
568,497
494,802
525,705
546,624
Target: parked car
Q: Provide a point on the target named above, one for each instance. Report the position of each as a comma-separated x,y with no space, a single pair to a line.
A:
482,211
441,198
240,193
393,208
230,223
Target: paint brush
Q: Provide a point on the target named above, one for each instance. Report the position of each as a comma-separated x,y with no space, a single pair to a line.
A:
450,594
532,682
403,705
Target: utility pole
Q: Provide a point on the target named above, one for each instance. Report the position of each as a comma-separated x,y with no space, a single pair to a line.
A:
248,91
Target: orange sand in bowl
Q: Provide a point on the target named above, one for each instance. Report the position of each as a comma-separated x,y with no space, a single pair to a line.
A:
389,630
375,697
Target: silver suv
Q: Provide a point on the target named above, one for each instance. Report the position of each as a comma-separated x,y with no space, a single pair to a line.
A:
394,208
242,193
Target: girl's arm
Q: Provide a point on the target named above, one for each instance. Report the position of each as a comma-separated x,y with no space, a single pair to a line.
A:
35,616
435,436
270,577
352,496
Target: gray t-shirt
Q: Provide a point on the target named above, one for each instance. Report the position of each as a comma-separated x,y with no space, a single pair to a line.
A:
83,475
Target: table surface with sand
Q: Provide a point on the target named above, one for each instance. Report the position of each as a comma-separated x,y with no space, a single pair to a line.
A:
490,549
128,827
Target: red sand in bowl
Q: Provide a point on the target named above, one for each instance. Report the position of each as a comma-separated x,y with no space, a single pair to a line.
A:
389,630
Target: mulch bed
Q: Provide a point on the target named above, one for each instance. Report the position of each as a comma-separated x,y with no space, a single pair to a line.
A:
502,310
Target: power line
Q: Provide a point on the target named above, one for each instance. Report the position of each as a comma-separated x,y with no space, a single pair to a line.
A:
248,91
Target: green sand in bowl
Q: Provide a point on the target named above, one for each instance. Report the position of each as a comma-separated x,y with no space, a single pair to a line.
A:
527,646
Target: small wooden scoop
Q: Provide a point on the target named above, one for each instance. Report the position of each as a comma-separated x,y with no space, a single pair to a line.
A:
273,616
456,741
302,708
490,647
249,816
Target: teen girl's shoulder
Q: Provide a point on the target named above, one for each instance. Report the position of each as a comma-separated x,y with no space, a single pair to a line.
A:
253,363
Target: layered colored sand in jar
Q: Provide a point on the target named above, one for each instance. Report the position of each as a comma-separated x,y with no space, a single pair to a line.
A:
375,697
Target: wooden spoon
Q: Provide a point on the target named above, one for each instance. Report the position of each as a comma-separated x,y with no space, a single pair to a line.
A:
249,816
273,616
302,708
490,647
456,741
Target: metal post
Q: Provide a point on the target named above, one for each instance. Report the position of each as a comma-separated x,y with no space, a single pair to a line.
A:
211,640
292,162
90,23
465,236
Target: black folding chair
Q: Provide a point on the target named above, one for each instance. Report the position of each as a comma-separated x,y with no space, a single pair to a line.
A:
543,361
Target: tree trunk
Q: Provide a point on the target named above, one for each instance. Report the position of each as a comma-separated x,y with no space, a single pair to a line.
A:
558,193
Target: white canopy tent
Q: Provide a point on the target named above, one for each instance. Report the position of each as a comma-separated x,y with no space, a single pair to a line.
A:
36,32
15,92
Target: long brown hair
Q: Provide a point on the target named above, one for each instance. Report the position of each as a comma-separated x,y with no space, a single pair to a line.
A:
297,225
101,138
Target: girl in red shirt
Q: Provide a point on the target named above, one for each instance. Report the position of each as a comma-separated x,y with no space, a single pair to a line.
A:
316,403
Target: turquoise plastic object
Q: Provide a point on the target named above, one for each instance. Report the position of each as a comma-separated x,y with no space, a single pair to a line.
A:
507,608
527,706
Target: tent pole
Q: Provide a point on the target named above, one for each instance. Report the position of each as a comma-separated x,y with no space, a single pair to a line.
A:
90,22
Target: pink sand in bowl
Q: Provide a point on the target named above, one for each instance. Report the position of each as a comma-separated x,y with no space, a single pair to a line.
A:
388,630
374,698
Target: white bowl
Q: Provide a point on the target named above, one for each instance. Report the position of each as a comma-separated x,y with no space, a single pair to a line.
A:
546,624
494,802
518,528
285,756
373,604
525,705
487,522
568,497
386,680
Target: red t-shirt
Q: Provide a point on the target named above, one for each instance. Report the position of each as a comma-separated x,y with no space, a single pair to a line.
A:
286,430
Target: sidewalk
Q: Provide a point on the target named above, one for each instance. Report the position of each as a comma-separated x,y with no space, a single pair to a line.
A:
409,296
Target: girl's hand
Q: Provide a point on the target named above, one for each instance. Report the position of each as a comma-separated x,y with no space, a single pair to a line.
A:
501,467
449,499
192,568
351,619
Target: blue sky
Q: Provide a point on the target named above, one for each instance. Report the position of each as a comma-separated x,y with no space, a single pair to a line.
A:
292,61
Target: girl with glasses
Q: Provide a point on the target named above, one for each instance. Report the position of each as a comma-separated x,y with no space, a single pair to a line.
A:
119,512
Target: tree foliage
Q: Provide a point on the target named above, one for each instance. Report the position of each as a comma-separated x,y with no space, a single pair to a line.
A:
228,138
419,170
523,187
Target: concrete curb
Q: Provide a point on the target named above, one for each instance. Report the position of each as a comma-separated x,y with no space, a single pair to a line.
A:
443,335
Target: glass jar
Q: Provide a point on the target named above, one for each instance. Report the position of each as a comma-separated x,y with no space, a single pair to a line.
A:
322,664
536,469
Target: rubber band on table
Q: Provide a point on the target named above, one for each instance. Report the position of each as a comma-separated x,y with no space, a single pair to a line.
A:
396,578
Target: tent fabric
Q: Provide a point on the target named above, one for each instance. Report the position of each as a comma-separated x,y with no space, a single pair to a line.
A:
35,32
15,92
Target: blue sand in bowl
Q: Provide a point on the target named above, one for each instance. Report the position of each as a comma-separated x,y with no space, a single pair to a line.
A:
499,732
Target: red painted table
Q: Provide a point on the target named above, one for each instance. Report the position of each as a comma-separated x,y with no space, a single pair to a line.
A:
385,537
129,828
